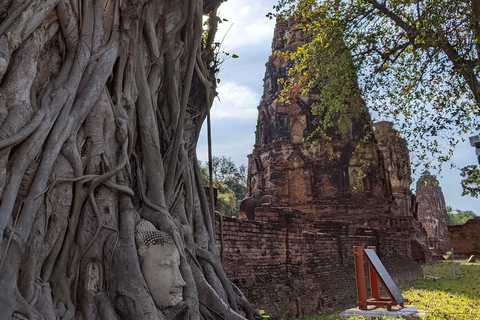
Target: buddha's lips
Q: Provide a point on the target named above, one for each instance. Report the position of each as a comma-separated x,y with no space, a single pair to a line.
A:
176,291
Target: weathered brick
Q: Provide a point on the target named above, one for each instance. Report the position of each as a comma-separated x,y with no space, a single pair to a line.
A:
465,239
300,244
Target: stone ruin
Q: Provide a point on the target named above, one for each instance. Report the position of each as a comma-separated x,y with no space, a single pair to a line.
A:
475,142
308,208
292,247
434,217
397,165
465,239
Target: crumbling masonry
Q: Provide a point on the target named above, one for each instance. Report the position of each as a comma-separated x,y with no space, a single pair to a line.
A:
297,245
433,213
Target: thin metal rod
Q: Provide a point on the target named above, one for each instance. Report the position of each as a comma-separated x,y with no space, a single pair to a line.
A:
210,169
453,264
299,308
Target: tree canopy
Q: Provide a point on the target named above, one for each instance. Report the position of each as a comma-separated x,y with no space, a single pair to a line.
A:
230,182
459,217
417,64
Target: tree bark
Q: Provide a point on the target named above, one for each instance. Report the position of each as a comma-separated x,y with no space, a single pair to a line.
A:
101,105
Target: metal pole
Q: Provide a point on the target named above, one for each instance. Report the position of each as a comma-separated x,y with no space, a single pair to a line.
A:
210,169
453,264
299,307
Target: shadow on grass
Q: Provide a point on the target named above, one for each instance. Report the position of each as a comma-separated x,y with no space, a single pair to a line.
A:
446,297
466,281
442,296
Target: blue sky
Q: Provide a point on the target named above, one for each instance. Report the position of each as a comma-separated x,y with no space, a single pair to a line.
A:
234,114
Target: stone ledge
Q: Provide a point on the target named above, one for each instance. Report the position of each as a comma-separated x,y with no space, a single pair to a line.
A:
396,312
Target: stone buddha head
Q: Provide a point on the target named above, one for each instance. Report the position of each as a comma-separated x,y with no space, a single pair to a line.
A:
160,261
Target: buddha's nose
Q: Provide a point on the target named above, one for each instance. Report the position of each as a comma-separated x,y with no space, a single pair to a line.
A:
179,282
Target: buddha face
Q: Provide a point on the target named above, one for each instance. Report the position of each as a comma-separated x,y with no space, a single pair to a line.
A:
160,267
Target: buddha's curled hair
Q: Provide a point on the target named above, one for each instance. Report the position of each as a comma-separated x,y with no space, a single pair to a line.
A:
147,235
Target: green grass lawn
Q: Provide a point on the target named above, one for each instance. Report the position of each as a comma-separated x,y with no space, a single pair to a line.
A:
445,298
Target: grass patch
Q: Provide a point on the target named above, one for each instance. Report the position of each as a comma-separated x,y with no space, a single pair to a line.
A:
445,298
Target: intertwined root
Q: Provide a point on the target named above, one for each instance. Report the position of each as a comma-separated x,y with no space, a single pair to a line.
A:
101,105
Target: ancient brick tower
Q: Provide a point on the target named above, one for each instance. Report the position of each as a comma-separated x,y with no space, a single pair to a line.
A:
312,207
432,212
300,175
397,165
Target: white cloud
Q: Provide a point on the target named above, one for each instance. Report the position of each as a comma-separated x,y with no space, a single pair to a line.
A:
236,150
234,117
247,24
235,101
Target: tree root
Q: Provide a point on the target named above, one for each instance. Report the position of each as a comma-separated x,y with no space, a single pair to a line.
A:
207,256
100,226
208,297
112,119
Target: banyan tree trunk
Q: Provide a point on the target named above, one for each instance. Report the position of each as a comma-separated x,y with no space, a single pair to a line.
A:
101,105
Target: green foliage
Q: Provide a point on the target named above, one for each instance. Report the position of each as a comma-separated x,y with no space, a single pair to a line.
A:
323,69
225,169
230,182
459,217
330,317
471,181
443,299
418,64
212,46
226,201
448,298
263,314
418,68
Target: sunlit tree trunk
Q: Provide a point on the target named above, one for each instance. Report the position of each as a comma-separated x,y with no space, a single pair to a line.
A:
101,104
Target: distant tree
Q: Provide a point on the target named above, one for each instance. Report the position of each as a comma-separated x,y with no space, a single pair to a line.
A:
459,217
239,190
471,181
226,201
225,169
230,182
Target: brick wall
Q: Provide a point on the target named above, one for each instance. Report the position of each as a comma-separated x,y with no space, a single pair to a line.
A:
274,261
465,239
